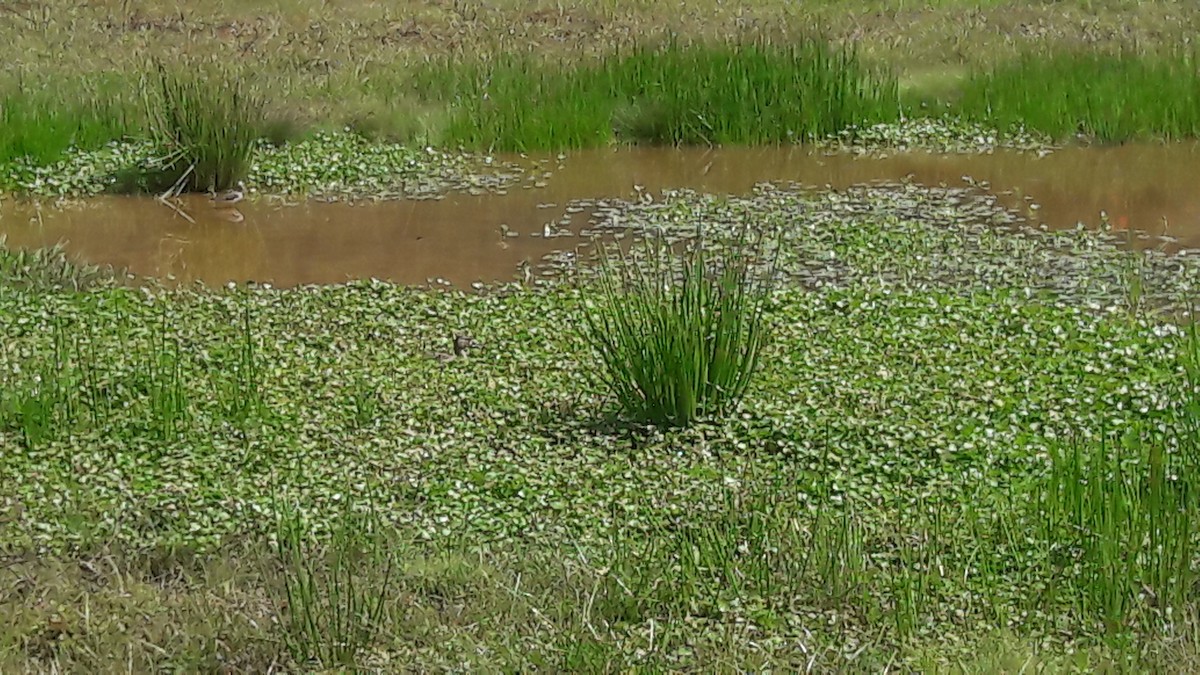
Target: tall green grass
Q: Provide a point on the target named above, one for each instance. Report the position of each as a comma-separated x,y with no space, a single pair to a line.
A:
679,336
39,125
1115,517
1108,97
1118,520
207,120
673,94
334,596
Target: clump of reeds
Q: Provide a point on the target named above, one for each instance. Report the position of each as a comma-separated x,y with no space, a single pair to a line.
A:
679,335
206,119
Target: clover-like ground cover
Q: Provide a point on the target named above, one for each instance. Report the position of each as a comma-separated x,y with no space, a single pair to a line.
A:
875,501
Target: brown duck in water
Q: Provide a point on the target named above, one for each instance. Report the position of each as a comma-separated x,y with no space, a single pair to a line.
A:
462,343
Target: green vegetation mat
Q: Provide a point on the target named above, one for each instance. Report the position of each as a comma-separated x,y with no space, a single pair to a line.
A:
927,379
326,166
969,446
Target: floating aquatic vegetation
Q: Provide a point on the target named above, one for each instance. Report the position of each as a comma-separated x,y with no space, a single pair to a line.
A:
935,134
915,238
79,172
327,166
343,165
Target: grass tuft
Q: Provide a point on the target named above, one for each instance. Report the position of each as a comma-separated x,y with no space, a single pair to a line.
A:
679,336
207,122
334,596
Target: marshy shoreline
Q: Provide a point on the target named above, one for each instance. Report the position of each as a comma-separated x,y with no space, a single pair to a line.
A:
190,115
171,430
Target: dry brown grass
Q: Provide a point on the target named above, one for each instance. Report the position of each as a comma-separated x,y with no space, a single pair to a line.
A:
345,62
104,614
499,611
493,611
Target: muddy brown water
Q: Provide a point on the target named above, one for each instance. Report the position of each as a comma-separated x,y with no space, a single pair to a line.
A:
1147,188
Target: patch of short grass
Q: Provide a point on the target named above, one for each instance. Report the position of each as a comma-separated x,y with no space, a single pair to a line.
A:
138,613
679,337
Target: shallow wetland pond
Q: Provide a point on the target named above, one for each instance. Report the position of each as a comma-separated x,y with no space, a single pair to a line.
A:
461,239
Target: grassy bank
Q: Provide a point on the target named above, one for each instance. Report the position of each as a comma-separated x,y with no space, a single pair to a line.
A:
1106,97
668,95
756,93
519,77
953,456
342,67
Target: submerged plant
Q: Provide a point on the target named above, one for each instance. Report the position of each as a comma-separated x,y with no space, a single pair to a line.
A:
207,122
679,335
